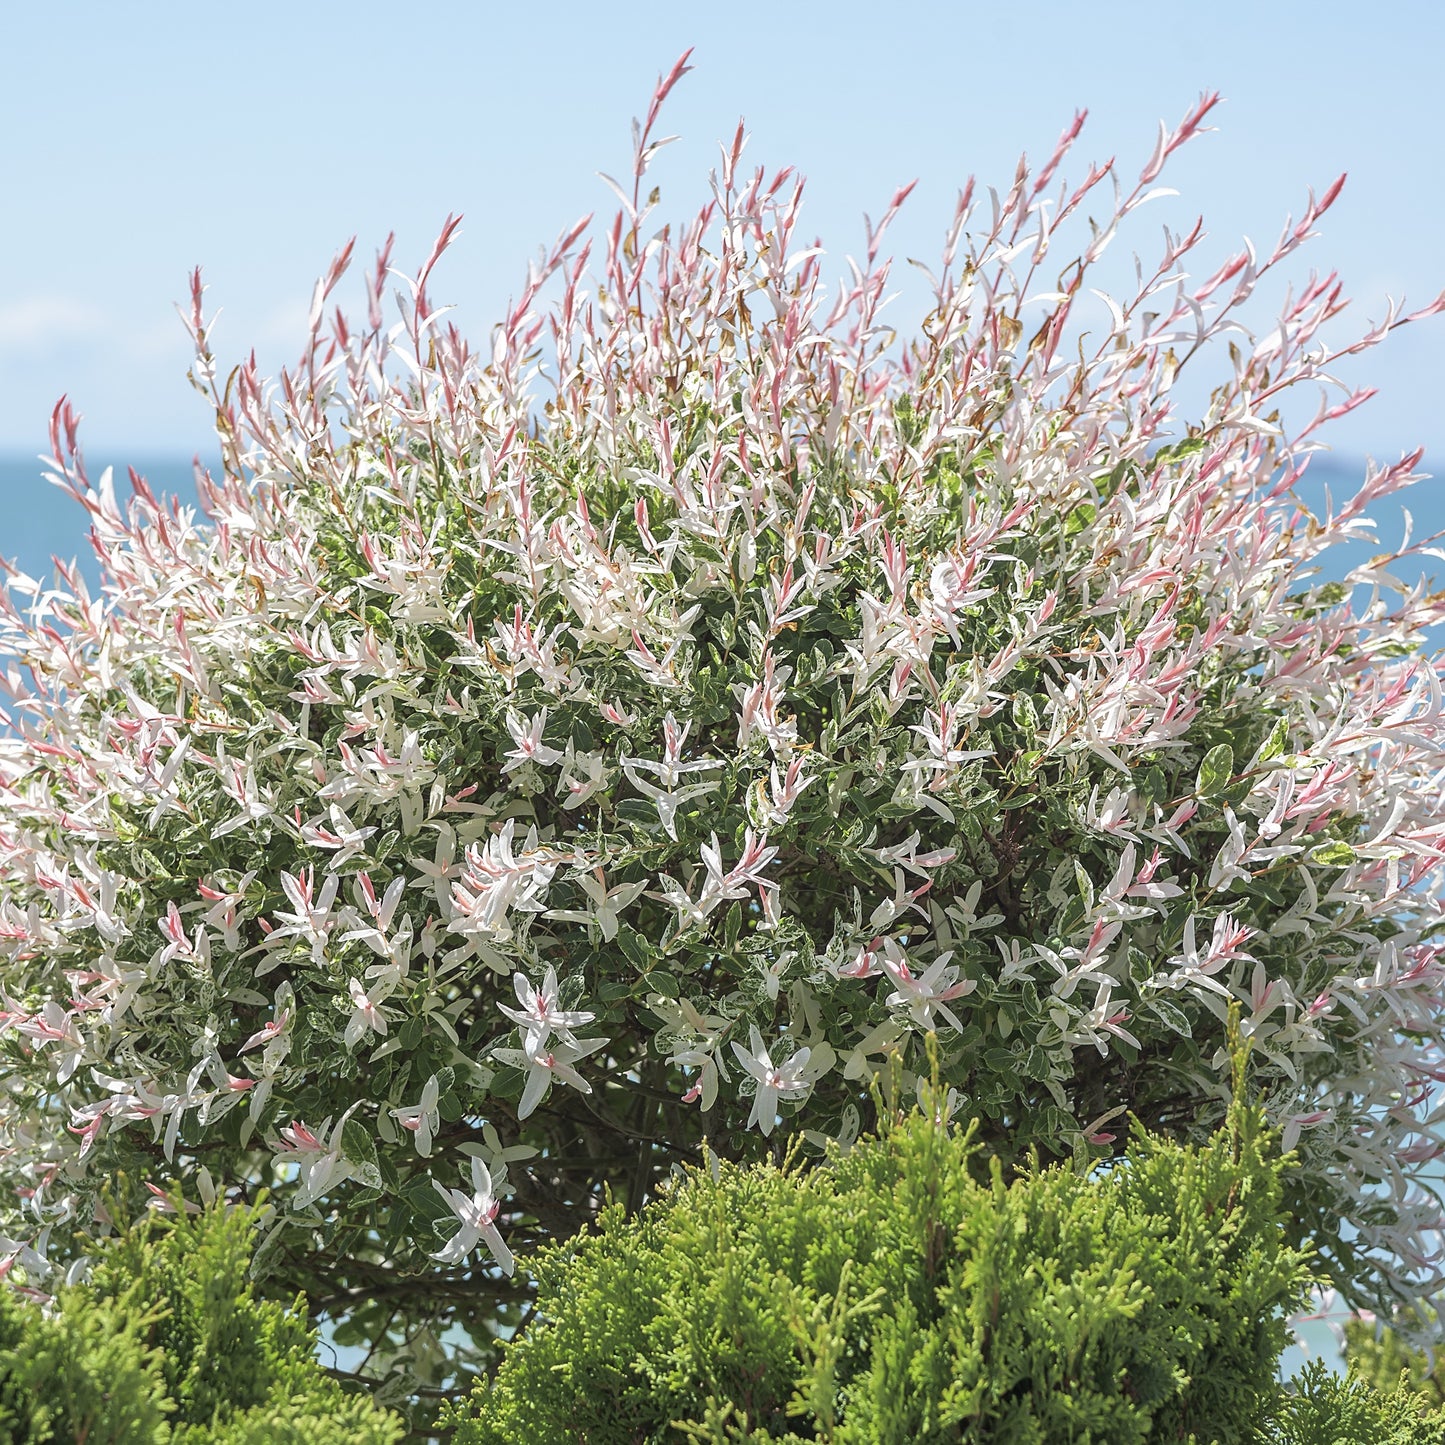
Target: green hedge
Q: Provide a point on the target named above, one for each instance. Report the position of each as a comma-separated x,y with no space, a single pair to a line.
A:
167,1345
905,1294
897,1296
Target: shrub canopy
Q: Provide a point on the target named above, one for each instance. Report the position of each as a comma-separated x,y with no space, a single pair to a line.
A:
536,763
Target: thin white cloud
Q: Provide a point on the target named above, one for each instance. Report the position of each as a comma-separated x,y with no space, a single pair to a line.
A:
37,321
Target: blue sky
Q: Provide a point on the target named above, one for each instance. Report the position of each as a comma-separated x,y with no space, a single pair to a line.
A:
137,141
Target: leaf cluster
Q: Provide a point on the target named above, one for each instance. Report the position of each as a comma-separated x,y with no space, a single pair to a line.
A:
786,694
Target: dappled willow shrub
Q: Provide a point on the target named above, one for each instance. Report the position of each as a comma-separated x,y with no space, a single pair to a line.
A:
536,762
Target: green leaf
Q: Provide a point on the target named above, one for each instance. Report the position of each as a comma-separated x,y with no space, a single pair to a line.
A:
633,946
423,1198
268,1252
359,1147
1216,771
1051,1122
892,811
732,926
1172,1015
1190,446
1037,1063
1276,742
1154,785
1334,854
1072,916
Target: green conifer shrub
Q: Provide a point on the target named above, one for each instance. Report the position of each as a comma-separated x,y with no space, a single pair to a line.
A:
166,1344
905,1293
1326,1409
1390,1364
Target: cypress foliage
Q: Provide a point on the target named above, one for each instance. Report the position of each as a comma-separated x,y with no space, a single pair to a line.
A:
166,1344
1326,1409
906,1293
1380,1356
